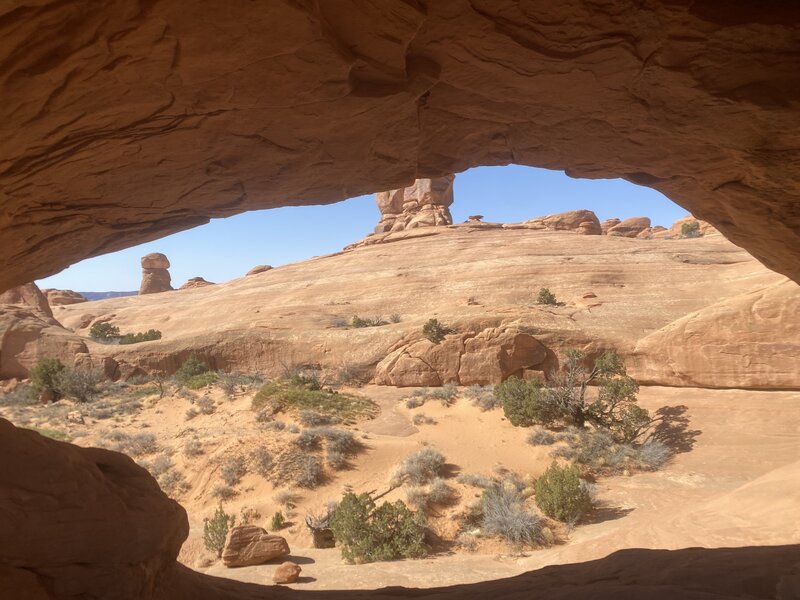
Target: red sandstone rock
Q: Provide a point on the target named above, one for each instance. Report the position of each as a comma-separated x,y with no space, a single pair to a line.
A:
423,204
155,276
630,227
582,221
195,282
287,572
62,297
608,224
258,269
704,228
250,545
30,296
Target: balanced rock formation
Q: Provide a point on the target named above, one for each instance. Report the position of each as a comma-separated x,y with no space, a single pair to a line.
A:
63,297
195,282
250,545
581,221
697,351
155,276
425,203
287,572
630,227
258,269
490,356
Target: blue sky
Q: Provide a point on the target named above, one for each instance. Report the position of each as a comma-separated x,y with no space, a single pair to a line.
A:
227,248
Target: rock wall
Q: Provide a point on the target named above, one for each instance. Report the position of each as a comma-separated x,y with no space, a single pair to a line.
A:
425,203
125,123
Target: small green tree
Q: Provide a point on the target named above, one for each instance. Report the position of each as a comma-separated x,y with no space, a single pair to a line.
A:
215,530
277,521
690,229
546,297
103,332
435,331
561,494
525,403
368,533
44,376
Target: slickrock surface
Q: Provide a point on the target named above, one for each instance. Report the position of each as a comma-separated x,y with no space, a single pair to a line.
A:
119,126
60,297
616,291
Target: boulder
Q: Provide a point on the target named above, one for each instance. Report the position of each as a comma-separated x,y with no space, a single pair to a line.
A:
195,282
287,572
63,297
581,221
28,295
258,269
630,227
425,203
704,228
489,356
155,274
608,224
250,545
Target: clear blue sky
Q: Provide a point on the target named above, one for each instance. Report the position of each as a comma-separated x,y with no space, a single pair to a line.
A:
227,248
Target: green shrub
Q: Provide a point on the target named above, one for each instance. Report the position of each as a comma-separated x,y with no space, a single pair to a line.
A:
81,385
561,494
546,297
367,533
200,381
420,468
135,338
303,394
359,322
215,530
690,229
233,469
191,367
435,331
483,396
44,376
277,521
104,332
525,403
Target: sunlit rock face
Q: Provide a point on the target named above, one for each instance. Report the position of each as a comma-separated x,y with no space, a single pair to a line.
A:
425,203
122,123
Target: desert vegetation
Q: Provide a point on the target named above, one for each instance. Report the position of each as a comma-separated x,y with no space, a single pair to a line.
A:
545,296
108,333
434,331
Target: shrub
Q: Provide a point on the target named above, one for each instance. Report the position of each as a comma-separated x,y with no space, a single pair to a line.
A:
310,472
202,380
541,437
422,419
652,455
525,403
191,367
44,376
215,530
483,397
336,460
286,498
192,447
420,468
21,395
445,394
546,297
440,493
312,418
262,461
81,385
223,492
274,425
435,331
191,413
561,494
231,382
338,440
690,229
172,482
277,521
367,533
205,405
367,322
308,439
303,393
505,516
233,469
478,481
135,338
103,332
415,401
395,318
339,322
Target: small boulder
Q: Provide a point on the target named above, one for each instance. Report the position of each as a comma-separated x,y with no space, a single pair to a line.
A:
63,297
250,545
195,282
287,572
608,224
630,227
258,269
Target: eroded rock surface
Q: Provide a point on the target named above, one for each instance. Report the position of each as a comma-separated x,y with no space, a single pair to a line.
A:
425,203
195,282
61,297
28,295
580,221
127,129
630,227
155,274
258,269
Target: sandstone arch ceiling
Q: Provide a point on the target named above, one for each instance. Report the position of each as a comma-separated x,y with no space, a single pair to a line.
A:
128,121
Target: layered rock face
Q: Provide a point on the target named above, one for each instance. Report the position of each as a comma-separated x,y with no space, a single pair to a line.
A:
630,227
155,274
250,545
581,221
346,99
423,204
30,296
62,297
